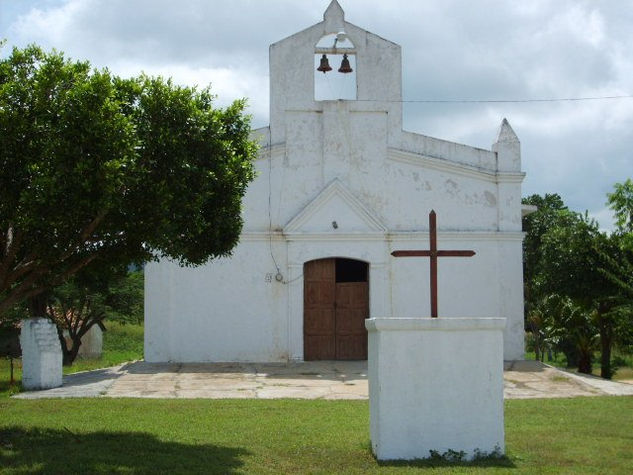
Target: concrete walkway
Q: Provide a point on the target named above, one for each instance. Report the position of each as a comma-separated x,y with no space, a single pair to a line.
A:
313,380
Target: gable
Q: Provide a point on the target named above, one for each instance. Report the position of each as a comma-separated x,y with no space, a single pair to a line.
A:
335,210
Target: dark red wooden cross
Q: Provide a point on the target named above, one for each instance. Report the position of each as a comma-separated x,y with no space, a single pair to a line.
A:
433,253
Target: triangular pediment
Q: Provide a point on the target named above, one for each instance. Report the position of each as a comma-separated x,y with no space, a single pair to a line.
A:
335,210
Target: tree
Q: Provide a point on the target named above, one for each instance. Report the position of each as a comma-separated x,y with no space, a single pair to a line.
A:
571,329
96,170
571,265
618,265
535,225
88,298
126,298
621,202
618,268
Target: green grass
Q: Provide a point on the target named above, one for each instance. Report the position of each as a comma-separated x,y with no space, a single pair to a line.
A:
558,360
583,435
121,343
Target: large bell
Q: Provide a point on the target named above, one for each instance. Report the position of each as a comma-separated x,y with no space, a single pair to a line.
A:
324,67
345,66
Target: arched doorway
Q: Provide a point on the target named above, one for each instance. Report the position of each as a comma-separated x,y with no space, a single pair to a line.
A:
335,306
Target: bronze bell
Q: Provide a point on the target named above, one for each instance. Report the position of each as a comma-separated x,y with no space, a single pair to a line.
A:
345,66
324,67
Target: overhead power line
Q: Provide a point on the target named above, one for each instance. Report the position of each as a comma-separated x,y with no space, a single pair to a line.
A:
508,101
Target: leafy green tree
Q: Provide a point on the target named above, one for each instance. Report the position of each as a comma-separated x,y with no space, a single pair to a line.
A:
535,225
97,170
618,264
88,298
618,268
126,298
569,328
621,202
572,265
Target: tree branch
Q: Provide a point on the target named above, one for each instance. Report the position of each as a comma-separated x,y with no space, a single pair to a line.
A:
25,289
85,233
10,249
18,271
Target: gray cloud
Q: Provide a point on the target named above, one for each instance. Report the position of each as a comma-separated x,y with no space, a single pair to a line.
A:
453,49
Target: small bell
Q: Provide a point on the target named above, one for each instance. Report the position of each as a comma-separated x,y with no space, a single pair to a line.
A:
324,67
345,66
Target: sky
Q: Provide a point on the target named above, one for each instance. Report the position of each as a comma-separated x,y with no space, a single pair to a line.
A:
452,50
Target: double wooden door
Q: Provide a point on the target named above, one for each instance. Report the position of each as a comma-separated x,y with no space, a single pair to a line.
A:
334,313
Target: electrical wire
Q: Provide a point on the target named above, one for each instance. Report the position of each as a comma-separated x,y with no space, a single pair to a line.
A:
270,191
501,101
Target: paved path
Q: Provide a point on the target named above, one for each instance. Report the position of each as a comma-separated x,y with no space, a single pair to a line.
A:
313,380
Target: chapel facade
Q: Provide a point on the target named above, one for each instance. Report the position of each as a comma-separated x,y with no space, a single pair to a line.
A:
340,186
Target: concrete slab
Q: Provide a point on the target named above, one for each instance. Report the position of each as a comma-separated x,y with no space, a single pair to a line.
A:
310,380
84,384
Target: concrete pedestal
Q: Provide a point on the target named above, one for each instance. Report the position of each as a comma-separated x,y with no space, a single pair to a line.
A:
41,354
91,343
435,385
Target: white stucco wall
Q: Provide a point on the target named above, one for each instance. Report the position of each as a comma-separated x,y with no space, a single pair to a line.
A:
348,162
435,385
232,310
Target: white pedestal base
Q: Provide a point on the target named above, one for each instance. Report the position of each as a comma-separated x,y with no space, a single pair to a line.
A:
91,343
435,385
41,354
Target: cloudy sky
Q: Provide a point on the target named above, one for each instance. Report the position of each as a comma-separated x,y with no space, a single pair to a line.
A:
473,50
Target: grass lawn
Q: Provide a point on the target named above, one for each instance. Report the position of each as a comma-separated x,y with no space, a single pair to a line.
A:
583,435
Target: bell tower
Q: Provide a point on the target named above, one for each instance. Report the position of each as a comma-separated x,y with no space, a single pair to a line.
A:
334,60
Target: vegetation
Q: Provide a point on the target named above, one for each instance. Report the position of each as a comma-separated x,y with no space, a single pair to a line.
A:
285,436
100,171
578,282
621,202
87,298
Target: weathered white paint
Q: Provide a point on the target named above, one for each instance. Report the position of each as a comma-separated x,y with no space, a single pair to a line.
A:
435,384
351,163
41,354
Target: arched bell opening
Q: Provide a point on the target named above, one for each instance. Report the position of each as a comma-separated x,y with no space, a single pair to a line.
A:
335,68
336,304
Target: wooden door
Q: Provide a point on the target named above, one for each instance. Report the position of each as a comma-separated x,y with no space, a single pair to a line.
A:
319,297
334,314
352,308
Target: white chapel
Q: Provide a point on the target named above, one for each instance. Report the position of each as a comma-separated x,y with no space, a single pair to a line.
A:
340,186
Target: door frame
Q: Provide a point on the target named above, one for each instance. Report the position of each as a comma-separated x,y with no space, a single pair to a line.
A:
372,249
332,263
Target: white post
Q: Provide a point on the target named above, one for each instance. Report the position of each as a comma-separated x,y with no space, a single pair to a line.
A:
92,343
41,354
435,384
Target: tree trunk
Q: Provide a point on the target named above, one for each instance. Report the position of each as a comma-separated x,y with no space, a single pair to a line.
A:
584,363
37,305
537,348
69,354
606,343
571,354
